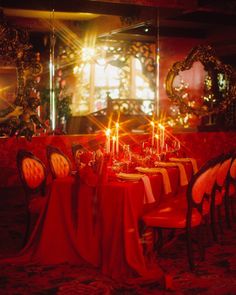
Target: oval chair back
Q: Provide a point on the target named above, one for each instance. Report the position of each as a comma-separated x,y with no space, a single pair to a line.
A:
230,191
59,163
33,175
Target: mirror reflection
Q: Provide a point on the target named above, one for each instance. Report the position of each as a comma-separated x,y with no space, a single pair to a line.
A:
192,84
201,84
8,86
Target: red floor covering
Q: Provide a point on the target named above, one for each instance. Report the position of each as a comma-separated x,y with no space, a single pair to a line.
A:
215,275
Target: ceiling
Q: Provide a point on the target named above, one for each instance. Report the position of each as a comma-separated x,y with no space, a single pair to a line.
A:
214,20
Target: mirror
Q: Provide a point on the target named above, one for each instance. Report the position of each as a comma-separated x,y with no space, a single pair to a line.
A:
8,86
19,72
201,84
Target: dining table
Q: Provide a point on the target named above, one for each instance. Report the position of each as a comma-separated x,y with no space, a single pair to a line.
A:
88,223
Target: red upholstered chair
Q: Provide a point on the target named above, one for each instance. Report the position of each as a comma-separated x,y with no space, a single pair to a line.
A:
187,217
230,193
59,163
218,192
77,151
32,173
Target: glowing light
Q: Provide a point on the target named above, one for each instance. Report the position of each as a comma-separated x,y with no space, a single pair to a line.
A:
75,70
117,137
88,53
101,61
153,132
113,144
52,84
108,141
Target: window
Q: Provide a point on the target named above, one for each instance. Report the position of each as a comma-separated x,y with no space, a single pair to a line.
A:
113,76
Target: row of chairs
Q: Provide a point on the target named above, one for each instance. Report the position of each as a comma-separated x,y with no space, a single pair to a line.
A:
210,189
33,175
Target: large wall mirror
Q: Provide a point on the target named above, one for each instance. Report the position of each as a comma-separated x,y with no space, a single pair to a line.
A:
19,72
201,84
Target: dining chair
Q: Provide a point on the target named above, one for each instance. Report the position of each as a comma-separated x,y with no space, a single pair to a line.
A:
59,163
33,175
77,151
218,193
230,193
189,216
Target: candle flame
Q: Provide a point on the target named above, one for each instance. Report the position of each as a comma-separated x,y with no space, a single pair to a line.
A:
152,123
161,126
117,125
108,132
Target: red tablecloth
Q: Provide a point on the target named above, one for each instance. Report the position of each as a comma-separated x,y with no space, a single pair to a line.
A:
53,239
77,227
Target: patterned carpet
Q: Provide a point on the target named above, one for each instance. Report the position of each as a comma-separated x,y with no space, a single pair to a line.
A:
215,275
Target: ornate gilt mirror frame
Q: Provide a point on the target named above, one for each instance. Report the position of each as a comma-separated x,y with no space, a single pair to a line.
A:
15,50
219,84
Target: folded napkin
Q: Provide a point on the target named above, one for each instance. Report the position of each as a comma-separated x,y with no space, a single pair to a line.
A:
182,172
192,160
162,171
129,176
148,196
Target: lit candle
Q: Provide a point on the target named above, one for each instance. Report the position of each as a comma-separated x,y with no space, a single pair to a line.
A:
179,145
108,140
113,144
153,132
117,138
157,141
162,136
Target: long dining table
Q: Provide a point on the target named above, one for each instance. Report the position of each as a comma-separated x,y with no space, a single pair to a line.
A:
80,226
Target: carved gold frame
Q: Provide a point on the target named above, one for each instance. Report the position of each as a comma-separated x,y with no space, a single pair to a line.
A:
16,50
206,55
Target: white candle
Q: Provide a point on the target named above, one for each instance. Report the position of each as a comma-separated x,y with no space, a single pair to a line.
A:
157,141
153,132
113,144
108,140
162,136
117,138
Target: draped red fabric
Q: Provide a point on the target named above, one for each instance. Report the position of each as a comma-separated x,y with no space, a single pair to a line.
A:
87,222
53,239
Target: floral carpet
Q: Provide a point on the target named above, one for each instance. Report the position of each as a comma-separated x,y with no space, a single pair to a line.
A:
215,275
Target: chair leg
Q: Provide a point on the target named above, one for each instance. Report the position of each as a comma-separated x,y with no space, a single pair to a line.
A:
199,231
227,210
207,232
190,249
213,222
220,219
232,209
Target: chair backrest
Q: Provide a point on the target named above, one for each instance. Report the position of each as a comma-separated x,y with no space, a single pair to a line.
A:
233,169
59,163
231,176
224,170
77,151
32,172
201,184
